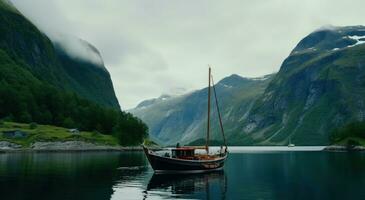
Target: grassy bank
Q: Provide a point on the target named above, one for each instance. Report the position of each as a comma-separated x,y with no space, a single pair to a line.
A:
346,141
47,133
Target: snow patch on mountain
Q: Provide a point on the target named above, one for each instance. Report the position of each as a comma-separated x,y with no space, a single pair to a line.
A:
226,86
360,39
261,78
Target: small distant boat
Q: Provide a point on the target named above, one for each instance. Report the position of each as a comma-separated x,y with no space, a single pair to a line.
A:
290,144
186,159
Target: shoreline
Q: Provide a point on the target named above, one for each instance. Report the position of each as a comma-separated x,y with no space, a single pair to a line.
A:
81,146
342,148
65,146
28,150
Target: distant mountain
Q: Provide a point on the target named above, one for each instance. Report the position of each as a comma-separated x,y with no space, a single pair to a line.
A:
320,86
182,118
48,62
149,102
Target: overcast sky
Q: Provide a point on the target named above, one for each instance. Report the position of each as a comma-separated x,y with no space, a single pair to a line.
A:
154,47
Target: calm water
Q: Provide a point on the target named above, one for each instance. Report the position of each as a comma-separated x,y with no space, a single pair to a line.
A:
249,174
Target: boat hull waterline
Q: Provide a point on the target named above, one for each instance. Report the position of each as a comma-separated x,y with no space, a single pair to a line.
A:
164,165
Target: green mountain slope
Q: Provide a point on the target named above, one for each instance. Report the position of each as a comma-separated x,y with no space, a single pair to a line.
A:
33,50
90,80
41,83
319,87
183,118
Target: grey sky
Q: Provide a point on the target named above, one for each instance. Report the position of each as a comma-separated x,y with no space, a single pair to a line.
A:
152,47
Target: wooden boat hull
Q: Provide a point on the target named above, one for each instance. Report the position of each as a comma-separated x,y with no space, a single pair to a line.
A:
162,165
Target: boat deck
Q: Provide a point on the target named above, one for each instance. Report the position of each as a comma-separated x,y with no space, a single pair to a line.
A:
199,157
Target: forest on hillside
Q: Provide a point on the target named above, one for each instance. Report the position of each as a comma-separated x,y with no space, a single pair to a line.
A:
26,99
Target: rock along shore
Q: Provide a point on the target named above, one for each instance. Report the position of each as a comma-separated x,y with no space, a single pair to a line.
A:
63,146
340,148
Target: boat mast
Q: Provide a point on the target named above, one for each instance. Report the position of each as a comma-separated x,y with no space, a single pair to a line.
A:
219,114
208,122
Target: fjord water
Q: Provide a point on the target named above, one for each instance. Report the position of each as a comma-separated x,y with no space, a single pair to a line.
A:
250,173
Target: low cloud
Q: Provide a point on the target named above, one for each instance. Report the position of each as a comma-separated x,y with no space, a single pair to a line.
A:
53,23
79,49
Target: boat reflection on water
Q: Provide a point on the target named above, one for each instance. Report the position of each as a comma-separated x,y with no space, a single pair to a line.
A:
187,186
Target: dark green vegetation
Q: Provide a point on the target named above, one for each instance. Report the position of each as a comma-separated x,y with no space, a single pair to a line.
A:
352,134
150,143
40,83
48,133
320,86
33,51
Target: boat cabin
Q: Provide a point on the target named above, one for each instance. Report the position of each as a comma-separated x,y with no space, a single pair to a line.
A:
183,152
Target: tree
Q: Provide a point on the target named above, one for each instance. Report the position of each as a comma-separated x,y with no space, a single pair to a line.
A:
68,123
27,99
130,130
353,129
33,125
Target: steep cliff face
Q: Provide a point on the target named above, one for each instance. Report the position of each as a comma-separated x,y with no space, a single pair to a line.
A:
183,118
90,79
31,49
320,86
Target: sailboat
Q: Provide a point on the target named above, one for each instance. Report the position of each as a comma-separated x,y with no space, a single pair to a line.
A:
186,159
290,144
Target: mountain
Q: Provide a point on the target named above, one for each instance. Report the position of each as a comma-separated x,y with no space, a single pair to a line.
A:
46,83
90,80
29,48
320,87
182,118
149,102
